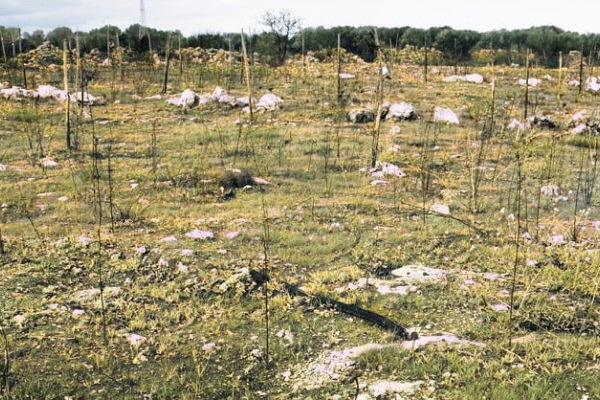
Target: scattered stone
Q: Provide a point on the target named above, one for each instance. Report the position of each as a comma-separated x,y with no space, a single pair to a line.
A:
188,99
85,98
269,102
514,124
440,209
471,78
84,240
18,93
48,163
550,190
557,239
387,169
49,91
402,112
500,307
19,319
384,286
395,130
361,116
592,84
531,82
542,122
579,129
241,277
444,338
379,182
231,235
182,267
200,234
580,116
134,339
382,388
441,114
418,273
208,347
334,366
94,293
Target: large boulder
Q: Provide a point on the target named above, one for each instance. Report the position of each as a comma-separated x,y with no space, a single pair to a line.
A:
531,82
85,98
269,102
471,78
441,114
361,116
402,112
18,93
541,122
187,99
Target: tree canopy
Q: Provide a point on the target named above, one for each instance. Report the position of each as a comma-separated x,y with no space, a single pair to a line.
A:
284,35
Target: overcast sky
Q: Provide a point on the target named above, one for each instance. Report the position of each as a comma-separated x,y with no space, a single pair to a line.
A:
200,16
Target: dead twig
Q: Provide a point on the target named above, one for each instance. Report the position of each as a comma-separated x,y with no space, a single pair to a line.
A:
6,362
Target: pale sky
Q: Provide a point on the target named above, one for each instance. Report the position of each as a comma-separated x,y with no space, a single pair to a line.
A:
224,16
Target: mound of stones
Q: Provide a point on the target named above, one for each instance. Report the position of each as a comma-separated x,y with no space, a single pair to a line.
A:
190,99
402,111
44,92
471,78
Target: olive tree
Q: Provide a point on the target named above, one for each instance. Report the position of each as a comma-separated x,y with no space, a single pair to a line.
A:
282,27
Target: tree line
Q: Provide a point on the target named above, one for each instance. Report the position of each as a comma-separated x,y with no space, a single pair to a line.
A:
284,36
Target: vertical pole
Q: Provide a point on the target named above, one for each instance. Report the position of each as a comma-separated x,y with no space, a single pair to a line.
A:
3,48
581,70
303,48
560,65
180,59
167,62
493,106
425,63
375,144
339,70
67,97
24,70
78,67
20,42
527,63
247,76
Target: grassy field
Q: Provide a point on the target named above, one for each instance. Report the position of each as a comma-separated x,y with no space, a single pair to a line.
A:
125,271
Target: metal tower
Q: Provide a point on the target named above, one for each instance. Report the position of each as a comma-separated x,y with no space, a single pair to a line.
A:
143,29
142,19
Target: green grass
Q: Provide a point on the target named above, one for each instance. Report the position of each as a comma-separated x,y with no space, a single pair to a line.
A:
204,322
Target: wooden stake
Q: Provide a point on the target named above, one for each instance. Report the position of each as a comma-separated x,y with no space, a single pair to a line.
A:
247,76
493,106
180,59
3,48
379,102
303,49
339,70
581,71
67,99
167,62
78,67
560,63
527,86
